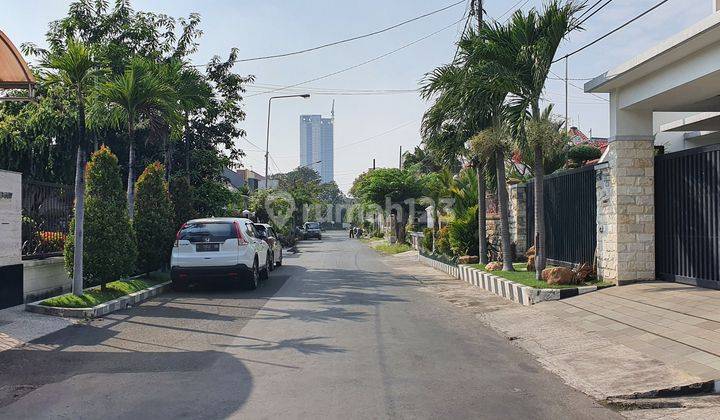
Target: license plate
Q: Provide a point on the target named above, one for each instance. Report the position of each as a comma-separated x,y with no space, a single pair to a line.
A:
207,247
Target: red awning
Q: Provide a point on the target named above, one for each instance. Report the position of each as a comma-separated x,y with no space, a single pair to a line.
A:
14,71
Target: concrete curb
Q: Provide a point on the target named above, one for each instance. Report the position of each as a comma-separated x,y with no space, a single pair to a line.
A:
103,308
518,293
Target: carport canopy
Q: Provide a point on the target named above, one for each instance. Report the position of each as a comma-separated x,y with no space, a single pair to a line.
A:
14,71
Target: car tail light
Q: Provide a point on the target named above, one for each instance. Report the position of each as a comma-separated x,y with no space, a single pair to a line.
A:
241,240
177,235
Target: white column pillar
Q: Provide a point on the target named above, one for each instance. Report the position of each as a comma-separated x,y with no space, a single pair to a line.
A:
626,193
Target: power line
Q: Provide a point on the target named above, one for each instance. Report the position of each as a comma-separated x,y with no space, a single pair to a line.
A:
363,63
346,40
612,32
594,12
581,89
589,8
375,136
512,8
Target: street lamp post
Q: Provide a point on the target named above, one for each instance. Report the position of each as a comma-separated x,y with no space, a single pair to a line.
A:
267,141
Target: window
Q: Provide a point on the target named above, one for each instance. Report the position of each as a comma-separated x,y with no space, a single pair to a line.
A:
250,230
207,232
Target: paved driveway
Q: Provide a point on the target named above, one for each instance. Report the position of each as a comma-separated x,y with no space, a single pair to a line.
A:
333,334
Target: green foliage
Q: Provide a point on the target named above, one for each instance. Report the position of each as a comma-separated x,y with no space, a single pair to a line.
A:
427,240
397,184
442,241
392,249
463,232
153,222
110,251
182,199
581,153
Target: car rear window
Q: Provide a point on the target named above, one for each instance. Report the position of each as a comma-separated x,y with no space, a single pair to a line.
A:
207,232
312,226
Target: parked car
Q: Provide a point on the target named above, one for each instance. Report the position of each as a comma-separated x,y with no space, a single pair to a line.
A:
228,248
267,233
312,230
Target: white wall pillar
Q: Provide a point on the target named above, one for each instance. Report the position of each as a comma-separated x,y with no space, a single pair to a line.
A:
625,197
10,218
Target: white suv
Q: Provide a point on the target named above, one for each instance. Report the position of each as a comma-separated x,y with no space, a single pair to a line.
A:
221,247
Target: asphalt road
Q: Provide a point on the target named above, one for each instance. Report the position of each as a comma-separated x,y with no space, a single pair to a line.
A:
332,334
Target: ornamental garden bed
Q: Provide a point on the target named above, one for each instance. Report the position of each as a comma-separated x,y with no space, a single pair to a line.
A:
391,249
95,302
519,286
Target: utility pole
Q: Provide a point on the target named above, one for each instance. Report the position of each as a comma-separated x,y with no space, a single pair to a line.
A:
479,13
567,128
400,162
373,163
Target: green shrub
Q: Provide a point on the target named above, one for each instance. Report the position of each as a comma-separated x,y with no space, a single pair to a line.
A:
581,153
442,241
463,233
427,240
181,194
154,214
109,251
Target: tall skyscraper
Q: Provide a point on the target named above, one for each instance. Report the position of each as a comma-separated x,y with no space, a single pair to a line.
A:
316,144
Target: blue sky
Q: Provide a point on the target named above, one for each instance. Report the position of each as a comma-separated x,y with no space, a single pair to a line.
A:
261,27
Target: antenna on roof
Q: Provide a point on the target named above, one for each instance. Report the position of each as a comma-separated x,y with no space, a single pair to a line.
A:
332,111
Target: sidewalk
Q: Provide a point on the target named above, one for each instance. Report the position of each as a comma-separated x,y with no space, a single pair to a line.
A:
615,342
18,327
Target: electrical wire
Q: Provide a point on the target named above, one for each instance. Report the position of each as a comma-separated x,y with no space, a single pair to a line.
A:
512,8
346,40
581,89
375,136
379,57
612,32
594,12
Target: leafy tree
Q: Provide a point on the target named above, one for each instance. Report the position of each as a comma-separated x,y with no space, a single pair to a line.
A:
110,250
75,68
396,184
154,214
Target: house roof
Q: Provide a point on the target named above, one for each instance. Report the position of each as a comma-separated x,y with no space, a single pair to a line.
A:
14,71
673,49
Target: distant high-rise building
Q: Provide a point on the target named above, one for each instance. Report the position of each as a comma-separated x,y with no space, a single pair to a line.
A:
316,145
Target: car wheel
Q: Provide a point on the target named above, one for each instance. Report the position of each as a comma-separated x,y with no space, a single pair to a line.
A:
265,273
279,263
179,285
254,280
319,238
271,263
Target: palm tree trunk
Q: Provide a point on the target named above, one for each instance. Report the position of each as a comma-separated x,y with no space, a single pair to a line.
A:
187,147
540,258
482,215
503,203
131,175
77,284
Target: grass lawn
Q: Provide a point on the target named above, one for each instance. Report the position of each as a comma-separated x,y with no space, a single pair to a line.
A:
527,278
95,296
393,249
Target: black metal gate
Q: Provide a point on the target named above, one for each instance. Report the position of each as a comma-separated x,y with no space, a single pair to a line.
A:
687,216
570,216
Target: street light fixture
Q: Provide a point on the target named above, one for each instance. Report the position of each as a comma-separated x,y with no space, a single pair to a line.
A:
267,141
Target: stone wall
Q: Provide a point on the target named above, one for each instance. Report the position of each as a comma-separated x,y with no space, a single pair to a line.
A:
626,212
45,278
518,217
10,217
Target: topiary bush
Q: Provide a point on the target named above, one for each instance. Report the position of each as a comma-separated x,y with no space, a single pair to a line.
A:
110,250
154,214
578,155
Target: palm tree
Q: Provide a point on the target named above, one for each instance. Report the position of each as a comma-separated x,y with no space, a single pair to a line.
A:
469,95
76,68
137,93
521,54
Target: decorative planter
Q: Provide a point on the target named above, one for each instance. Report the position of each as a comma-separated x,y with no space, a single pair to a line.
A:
519,293
103,308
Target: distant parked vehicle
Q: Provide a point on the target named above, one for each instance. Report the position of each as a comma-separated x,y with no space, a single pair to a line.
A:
228,248
267,233
312,230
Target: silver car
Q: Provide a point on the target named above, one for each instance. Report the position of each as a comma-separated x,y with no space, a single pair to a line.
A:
267,233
